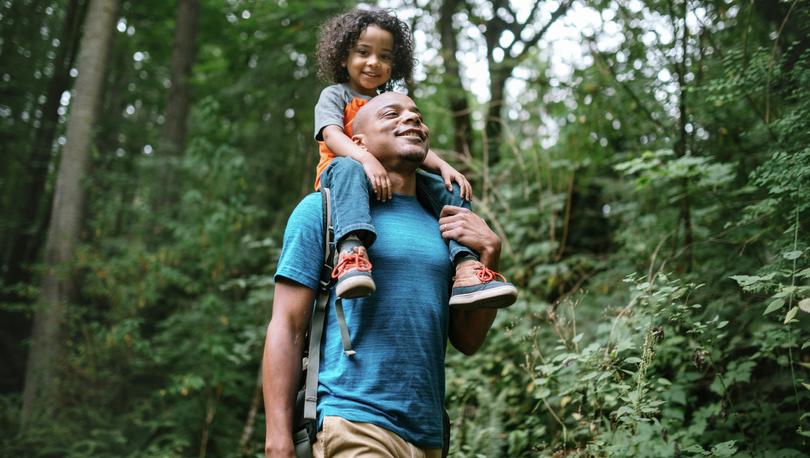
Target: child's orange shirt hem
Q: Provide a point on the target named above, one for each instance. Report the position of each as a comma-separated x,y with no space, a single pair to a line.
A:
325,153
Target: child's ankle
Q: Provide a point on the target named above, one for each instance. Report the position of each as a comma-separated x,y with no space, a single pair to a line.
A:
463,259
349,243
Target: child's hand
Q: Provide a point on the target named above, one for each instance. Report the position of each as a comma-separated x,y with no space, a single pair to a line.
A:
378,177
449,175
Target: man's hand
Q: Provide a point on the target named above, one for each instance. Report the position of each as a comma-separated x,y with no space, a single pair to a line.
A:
470,230
450,174
282,451
377,176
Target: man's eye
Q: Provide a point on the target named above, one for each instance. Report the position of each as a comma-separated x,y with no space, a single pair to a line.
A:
390,114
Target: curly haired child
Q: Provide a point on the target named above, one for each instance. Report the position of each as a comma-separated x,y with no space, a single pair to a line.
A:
363,53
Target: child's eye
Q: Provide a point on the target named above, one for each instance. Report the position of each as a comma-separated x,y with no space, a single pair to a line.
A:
387,57
362,52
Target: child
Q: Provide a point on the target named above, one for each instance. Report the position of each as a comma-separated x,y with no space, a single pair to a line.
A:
365,52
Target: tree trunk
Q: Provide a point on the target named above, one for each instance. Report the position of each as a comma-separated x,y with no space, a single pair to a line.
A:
178,98
494,129
57,286
183,53
456,95
35,207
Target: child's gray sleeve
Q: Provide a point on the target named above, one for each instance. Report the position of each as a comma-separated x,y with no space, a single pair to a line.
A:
329,109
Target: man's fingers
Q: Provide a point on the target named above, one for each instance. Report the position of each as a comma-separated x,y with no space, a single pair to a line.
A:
450,210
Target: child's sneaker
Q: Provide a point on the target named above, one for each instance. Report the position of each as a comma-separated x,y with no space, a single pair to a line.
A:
353,274
476,286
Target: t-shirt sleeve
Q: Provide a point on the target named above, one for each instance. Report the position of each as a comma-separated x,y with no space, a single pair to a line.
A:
302,249
329,109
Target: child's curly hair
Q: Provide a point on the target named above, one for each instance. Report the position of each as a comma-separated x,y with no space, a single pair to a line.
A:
340,34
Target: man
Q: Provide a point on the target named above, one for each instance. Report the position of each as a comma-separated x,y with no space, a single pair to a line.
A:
387,399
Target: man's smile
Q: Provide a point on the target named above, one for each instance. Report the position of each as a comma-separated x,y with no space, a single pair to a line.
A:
412,132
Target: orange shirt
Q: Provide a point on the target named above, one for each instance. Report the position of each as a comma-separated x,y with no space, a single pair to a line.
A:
326,154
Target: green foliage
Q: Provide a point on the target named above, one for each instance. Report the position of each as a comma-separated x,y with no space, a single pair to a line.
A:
664,274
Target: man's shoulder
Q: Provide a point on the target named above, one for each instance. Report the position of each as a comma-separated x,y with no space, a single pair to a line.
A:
308,209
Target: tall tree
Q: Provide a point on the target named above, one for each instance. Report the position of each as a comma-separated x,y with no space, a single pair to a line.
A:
457,96
508,43
179,96
183,53
65,221
35,203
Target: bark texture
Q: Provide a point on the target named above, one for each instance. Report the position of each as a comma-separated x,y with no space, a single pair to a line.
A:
456,95
40,389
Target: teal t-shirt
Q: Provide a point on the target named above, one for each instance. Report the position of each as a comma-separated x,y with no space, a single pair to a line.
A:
396,378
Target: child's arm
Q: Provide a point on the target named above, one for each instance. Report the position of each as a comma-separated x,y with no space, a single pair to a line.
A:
433,163
340,144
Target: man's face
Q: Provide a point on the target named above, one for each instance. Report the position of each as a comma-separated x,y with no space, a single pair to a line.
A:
392,129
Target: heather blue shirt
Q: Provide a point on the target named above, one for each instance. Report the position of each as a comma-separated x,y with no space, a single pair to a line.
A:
396,379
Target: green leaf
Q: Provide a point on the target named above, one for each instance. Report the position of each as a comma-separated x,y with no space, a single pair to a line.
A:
791,255
724,449
804,305
633,360
774,306
791,314
578,338
746,280
623,410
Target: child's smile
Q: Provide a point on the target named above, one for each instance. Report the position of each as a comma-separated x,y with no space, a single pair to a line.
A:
370,60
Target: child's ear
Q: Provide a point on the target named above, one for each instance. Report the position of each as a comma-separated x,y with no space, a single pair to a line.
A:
343,63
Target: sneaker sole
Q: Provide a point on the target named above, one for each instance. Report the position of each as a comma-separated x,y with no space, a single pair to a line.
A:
354,287
494,298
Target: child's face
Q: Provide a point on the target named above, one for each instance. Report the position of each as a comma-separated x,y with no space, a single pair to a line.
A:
370,60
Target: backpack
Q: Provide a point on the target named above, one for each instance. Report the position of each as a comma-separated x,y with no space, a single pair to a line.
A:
305,425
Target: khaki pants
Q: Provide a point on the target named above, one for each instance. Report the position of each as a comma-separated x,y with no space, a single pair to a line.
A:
342,438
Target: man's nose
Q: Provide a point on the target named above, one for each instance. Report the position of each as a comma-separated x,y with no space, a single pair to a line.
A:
411,117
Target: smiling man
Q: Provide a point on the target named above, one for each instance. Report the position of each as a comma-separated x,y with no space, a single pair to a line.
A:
387,399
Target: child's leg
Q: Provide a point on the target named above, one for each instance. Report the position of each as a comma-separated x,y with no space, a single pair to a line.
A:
432,193
475,285
354,230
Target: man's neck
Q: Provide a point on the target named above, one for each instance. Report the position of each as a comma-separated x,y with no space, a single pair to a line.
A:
403,183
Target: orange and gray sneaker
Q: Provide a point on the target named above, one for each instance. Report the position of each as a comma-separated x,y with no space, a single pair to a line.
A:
476,286
353,274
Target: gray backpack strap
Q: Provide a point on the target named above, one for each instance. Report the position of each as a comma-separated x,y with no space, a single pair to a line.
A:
344,330
319,313
302,444
314,358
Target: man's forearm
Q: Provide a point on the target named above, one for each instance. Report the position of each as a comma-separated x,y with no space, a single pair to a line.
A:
281,366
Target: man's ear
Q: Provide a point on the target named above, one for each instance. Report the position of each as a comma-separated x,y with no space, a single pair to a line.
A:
359,140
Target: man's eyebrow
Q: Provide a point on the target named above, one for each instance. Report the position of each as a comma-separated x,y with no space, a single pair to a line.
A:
396,106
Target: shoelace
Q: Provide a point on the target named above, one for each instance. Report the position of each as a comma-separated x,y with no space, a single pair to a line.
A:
485,274
353,260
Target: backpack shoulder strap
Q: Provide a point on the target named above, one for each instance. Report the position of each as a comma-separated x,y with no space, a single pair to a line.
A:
318,314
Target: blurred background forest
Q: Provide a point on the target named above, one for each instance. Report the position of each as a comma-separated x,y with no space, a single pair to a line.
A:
647,163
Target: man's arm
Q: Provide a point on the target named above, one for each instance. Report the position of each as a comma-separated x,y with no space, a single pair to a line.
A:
281,363
468,329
